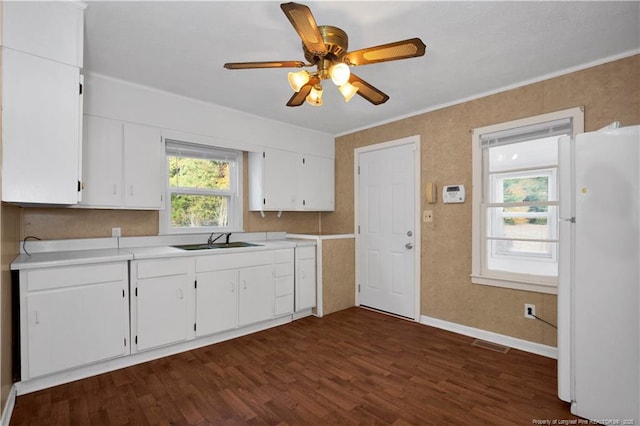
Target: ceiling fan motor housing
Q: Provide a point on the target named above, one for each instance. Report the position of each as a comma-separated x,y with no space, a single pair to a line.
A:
336,41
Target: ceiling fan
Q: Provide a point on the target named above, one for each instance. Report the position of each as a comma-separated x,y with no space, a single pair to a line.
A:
325,47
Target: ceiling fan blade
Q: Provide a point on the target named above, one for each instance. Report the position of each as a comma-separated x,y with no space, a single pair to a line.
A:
305,25
367,91
266,64
404,49
299,97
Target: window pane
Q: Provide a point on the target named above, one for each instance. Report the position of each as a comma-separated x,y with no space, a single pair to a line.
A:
517,190
528,225
546,265
198,173
188,211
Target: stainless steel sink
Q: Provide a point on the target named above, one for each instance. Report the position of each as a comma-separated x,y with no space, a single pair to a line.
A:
235,244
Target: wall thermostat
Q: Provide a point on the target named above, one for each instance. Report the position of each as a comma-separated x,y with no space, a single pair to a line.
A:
453,194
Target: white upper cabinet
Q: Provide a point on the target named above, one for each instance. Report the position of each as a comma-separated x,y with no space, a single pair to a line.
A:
281,180
41,102
41,117
318,183
48,29
122,165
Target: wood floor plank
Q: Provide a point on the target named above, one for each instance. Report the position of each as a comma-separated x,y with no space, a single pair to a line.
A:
353,367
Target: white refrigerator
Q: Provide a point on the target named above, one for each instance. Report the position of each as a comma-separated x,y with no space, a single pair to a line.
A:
598,289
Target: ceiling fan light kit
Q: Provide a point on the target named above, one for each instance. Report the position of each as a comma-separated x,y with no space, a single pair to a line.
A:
326,48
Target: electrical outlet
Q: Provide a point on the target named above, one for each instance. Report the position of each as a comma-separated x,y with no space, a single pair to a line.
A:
116,233
529,311
427,216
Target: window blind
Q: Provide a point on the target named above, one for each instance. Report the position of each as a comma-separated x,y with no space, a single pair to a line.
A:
560,127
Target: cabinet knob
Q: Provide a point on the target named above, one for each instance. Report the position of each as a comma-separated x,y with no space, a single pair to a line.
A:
233,287
180,294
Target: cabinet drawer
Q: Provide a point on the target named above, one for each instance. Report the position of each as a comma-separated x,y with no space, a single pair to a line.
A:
70,276
306,252
218,262
161,268
284,286
283,269
284,256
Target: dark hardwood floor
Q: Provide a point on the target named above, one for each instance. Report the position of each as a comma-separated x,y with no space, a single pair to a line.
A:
350,367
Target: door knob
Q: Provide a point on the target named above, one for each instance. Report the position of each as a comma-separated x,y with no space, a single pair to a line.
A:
408,246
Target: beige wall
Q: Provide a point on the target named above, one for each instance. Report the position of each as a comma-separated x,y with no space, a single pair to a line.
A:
608,92
338,274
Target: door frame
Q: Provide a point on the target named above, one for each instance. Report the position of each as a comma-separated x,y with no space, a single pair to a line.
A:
410,140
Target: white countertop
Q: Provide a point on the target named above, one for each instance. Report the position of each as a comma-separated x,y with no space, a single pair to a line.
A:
85,254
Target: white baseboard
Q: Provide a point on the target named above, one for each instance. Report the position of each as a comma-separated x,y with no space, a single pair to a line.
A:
8,407
501,339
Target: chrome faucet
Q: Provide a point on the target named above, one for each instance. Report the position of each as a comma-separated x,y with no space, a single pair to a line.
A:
227,239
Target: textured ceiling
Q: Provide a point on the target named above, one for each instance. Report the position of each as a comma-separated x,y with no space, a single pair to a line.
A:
473,48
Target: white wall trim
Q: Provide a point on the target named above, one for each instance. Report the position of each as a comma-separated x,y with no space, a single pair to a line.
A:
501,339
8,407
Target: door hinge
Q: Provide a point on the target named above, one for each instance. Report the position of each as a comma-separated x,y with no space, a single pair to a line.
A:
358,288
194,326
195,284
123,293
136,291
358,229
358,169
264,201
80,91
264,155
303,160
125,342
136,340
304,202
79,186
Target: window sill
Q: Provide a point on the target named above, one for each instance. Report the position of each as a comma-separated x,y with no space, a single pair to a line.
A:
533,286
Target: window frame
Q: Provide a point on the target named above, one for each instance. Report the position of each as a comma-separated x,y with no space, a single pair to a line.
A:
235,192
480,274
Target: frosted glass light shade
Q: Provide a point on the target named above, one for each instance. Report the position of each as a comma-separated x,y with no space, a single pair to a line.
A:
298,79
315,96
339,74
348,90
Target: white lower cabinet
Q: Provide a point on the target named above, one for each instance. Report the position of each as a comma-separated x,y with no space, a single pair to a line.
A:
72,316
255,298
216,302
160,302
305,278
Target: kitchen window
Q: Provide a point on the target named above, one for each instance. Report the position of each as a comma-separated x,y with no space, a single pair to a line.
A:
203,189
515,201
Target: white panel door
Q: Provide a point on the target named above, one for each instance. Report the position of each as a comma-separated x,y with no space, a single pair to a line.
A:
216,302
386,219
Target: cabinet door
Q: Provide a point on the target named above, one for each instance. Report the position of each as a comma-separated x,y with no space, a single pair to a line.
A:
256,294
318,183
40,130
49,29
305,284
143,167
216,302
161,314
281,180
75,326
102,162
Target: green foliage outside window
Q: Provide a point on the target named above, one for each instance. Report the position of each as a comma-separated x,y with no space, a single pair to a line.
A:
530,189
205,177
